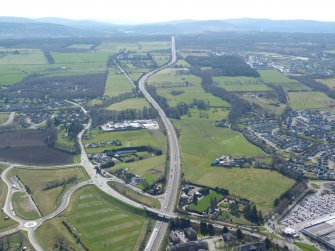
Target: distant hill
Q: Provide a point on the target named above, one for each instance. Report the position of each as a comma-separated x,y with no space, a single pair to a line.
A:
58,27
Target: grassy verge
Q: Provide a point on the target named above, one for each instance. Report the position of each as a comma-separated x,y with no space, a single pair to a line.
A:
305,246
133,195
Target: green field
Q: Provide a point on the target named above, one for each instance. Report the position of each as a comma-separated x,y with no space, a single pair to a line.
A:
305,247
169,80
257,185
48,200
133,103
103,222
33,57
23,207
3,117
140,47
204,203
80,57
275,77
144,137
80,46
117,83
241,84
16,241
9,223
330,82
309,100
202,142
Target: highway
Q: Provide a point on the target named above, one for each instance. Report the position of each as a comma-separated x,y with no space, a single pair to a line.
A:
173,179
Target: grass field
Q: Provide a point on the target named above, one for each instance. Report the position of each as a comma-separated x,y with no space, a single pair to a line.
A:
117,83
330,82
144,137
202,142
103,223
204,203
28,57
80,46
167,80
23,207
305,247
133,103
139,47
241,84
48,200
309,100
16,241
275,77
257,185
4,224
80,57
3,117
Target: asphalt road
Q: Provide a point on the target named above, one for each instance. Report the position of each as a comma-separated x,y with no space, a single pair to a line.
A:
172,187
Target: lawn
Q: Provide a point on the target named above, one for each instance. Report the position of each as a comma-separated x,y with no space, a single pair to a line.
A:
132,103
241,84
117,83
103,222
48,200
204,203
309,100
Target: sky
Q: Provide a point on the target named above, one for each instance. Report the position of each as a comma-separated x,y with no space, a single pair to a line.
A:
144,11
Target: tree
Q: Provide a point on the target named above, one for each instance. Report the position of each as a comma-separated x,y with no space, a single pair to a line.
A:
211,230
203,228
195,199
225,230
239,234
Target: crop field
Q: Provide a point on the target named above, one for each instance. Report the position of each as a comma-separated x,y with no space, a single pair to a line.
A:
47,200
275,77
257,185
241,84
117,83
26,57
80,57
204,203
309,100
144,137
133,103
28,147
103,222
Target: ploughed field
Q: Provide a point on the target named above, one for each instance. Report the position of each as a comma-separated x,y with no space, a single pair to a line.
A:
28,147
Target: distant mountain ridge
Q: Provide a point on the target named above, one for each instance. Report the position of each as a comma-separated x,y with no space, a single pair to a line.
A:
55,27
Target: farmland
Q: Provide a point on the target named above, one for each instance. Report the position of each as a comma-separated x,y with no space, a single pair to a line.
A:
240,84
3,117
132,103
309,100
48,185
139,47
117,83
80,57
24,58
28,147
103,222
275,77
330,82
